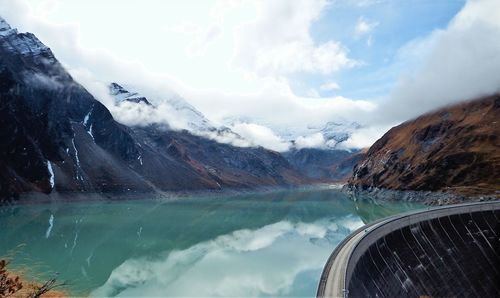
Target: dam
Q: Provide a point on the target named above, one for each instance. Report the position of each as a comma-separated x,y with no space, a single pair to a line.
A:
450,251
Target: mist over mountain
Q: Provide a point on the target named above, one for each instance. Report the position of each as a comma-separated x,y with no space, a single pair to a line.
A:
291,137
58,138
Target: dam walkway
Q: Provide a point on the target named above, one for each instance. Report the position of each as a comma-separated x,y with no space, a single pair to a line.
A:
442,251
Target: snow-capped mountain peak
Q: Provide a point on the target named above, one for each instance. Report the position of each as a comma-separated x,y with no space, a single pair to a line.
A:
194,120
335,133
5,28
121,94
23,43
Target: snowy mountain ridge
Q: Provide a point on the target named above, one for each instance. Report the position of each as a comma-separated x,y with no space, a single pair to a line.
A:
24,43
194,119
5,28
190,118
329,136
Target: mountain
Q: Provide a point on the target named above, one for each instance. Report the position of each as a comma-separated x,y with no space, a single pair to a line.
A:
195,120
321,165
331,162
123,95
187,117
56,137
325,161
324,164
455,149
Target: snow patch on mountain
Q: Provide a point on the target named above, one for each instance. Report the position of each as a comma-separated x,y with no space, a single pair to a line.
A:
24,43
51,172
91,133
333,132
121,94
86,118
5,28
77,159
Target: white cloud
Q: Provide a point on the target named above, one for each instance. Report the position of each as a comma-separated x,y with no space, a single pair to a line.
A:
296,56
239,68
458,63
278,41
364,137
329,86
261,136
312,141
369,41
364,27
275,104
365,3
313,93
256,88
201,43
201,38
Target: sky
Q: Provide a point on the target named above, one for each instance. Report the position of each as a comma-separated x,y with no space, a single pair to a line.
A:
281,64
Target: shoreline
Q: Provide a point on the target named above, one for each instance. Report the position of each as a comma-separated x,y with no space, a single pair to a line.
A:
163,196
429,198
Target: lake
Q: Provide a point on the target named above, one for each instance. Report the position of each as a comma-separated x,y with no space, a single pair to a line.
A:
260,244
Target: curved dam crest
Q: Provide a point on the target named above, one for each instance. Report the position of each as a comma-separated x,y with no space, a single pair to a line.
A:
451,251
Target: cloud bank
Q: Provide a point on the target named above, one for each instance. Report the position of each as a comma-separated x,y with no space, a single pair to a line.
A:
256,57
460,62
278,41
285,49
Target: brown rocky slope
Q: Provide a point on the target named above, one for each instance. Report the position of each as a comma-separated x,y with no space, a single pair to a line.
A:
455,149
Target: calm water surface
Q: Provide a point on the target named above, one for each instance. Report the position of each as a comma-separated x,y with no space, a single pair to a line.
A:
268,244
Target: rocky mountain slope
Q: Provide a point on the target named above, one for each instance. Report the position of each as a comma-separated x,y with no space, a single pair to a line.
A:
324,164
56,137
455,149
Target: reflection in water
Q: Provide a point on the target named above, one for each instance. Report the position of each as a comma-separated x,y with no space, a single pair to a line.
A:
249,245
370,210
242,263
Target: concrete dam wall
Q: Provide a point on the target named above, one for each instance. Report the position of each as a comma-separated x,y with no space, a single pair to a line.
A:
451,251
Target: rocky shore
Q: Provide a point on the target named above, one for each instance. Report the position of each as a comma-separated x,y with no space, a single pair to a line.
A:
426,197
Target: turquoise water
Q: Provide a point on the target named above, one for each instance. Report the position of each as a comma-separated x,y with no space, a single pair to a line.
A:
267,244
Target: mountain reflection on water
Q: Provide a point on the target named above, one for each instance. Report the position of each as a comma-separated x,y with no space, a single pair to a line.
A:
260,244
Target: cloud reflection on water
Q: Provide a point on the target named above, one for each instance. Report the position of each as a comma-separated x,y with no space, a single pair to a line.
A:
267,261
